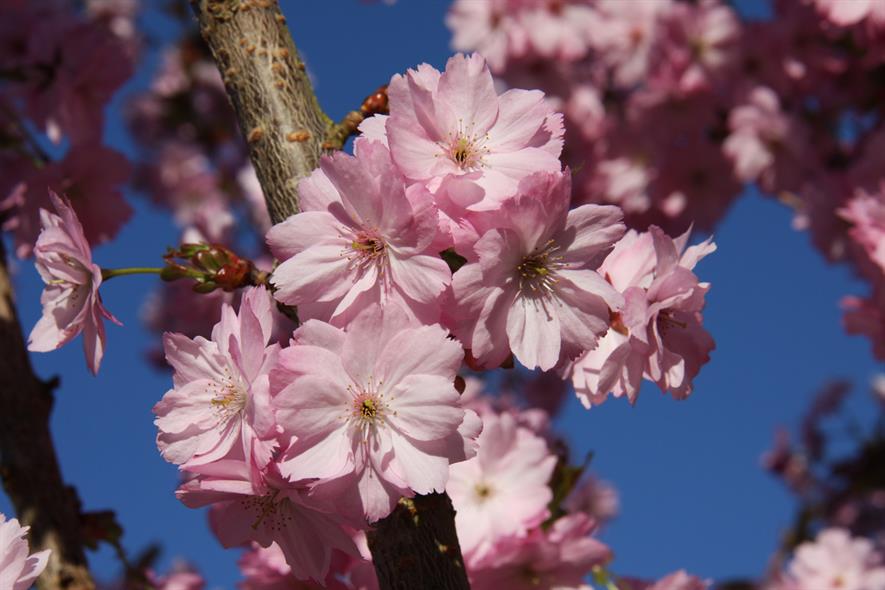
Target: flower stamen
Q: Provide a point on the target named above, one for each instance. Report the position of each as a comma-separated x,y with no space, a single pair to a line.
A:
537,271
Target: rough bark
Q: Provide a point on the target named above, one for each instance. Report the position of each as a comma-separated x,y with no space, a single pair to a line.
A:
416,547
271,93
28,464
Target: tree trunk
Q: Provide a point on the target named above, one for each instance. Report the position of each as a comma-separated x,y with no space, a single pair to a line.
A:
28,465
416,547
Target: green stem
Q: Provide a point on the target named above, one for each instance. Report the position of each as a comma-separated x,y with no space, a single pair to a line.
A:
109,273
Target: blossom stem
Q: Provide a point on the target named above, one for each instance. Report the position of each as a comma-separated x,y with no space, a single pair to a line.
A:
109,273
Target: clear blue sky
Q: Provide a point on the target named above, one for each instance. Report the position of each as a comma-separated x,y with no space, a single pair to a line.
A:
692,491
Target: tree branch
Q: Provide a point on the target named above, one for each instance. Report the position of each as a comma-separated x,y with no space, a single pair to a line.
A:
284,126
416,547
271,93
28,464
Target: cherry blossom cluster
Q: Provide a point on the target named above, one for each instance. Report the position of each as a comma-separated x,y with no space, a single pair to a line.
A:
446,236
447,240
672,107
59,68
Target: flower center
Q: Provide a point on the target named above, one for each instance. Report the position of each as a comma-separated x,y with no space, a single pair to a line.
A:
465,149
667,322
230,397
530,576
483,491
537,271
267,509
617,323
66,283
367,248
368,408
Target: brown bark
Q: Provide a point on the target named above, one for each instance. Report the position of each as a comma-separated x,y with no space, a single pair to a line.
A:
416,547
28,464
271,93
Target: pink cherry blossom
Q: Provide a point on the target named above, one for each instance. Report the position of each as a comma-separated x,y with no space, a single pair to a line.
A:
765,144
680,580
866,317
71,302
559,30
90,176
374,410
561,557
265,568
699,45
119,17
264,508
625,36
594,497
850,12
502,492
836,561
658,335
87,64
180,578
183,178
622,180
362,237
18,570
220,396
490,27
454,124
866,214
534,290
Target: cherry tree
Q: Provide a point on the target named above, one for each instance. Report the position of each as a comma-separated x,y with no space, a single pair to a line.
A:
384,312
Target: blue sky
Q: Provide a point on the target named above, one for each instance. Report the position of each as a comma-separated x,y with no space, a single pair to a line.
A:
693,494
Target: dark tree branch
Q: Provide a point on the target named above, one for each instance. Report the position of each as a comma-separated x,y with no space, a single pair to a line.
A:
28,464
416,547
285,128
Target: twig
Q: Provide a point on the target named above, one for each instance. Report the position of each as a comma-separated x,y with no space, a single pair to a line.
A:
338,133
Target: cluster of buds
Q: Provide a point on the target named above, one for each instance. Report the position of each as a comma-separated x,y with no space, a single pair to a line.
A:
211,266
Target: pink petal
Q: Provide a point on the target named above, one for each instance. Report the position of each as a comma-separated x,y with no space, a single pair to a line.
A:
533,331
467,95
589,231
319,273
430,352
301,232
425,407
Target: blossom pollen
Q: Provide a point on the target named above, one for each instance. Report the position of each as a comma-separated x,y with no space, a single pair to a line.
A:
465,150
666,321
267,507
367,249
483,490
368,407
537,271
230,397
530,576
